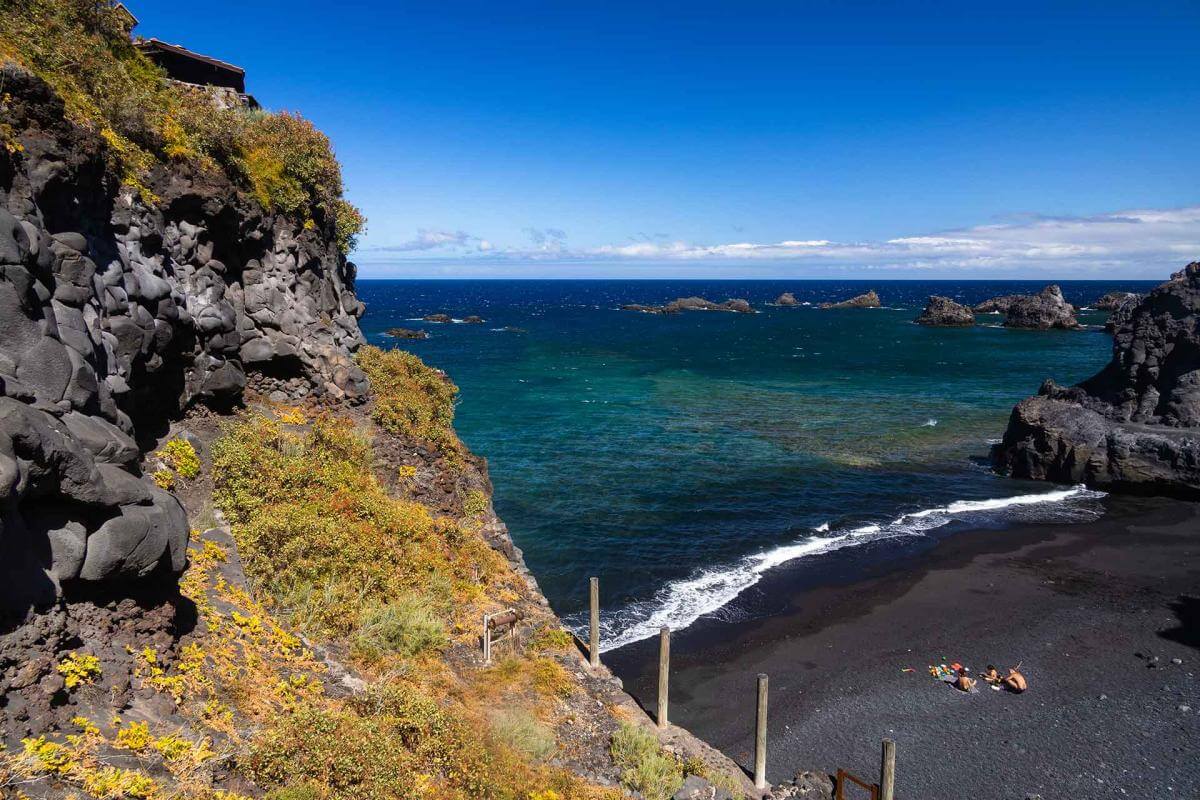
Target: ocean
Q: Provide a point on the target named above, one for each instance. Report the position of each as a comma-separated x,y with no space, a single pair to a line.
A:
682,458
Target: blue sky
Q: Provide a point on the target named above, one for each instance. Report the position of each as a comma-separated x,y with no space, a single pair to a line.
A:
740,139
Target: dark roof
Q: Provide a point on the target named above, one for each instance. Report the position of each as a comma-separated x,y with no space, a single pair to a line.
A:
150,45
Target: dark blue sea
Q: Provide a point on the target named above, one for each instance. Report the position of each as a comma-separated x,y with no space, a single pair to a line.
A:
681,458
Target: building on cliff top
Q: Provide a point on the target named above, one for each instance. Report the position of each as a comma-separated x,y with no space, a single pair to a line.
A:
226,82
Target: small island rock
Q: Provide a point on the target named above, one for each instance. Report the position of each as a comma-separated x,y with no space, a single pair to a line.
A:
944,312
1045,310
868,300
443,318
407,333
736,305
997,305
1114,300
473,320
786,299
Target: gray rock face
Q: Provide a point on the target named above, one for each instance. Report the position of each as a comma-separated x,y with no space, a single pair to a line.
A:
997,305
1042,311
1134,426
804,786
868,300
1120,310
944,312
115,315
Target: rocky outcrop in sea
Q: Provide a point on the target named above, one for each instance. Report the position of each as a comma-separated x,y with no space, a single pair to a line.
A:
868,300
735,305
1114,300
786,299
944,312
1042,311
115,316
1135,425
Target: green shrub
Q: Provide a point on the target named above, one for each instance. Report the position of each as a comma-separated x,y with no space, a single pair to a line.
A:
645,768
521,731
412,399
475,504
407,626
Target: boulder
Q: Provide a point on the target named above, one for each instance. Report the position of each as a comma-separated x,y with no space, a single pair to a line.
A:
1043,311
1135,425
868,300
804,786
944,312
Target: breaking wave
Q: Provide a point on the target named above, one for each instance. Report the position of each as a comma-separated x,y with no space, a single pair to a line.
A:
682,602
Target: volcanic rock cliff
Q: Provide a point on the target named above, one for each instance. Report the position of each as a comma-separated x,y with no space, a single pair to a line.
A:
117,314
1135,425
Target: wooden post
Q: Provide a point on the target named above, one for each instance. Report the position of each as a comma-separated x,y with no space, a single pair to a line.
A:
487,640
887,771
664,672
594,640
760,736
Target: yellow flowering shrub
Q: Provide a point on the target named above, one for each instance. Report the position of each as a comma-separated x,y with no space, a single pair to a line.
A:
78,669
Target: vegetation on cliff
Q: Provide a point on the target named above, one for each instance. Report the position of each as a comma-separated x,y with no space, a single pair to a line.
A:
81,50
411,399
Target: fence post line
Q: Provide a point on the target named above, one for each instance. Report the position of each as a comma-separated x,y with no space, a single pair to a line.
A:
760,735
887,771
487,641
594,639
664,672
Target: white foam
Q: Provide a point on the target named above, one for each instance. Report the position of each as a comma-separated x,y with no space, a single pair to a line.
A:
929,423
682,602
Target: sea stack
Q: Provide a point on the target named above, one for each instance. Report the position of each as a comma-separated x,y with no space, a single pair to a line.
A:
786,299
1043,311
1114,300
868,300
1135,425
945,313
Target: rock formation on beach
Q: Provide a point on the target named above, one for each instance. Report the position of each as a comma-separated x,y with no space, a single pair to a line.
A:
1042,311
786,299
868,300
1135,425
407,333
944,312
692,304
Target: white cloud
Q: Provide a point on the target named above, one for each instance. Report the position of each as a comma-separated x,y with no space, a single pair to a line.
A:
1144,242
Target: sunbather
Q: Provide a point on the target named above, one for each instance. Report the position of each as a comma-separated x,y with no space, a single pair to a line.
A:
991,675
965,681
1015,681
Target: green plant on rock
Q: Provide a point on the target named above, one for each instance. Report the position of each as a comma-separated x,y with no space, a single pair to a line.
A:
78,669
412,399
180,455
645,768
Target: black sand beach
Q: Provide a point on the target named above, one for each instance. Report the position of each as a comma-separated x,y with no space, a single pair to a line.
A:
1103,617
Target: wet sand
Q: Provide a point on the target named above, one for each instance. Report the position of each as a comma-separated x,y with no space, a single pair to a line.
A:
1096,614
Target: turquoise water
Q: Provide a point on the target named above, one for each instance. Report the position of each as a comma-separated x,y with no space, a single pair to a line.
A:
679,458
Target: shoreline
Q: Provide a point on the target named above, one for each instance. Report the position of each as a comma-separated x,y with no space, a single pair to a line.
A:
1073,603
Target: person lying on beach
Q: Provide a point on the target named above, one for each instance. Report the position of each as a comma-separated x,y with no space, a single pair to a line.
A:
1015,681
991,675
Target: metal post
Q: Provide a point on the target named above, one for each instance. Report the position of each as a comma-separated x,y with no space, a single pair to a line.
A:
594,641
487,640
664,672
760,736
887,771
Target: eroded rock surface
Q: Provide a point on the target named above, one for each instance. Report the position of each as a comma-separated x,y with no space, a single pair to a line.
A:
944,312
117,314
1134,426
